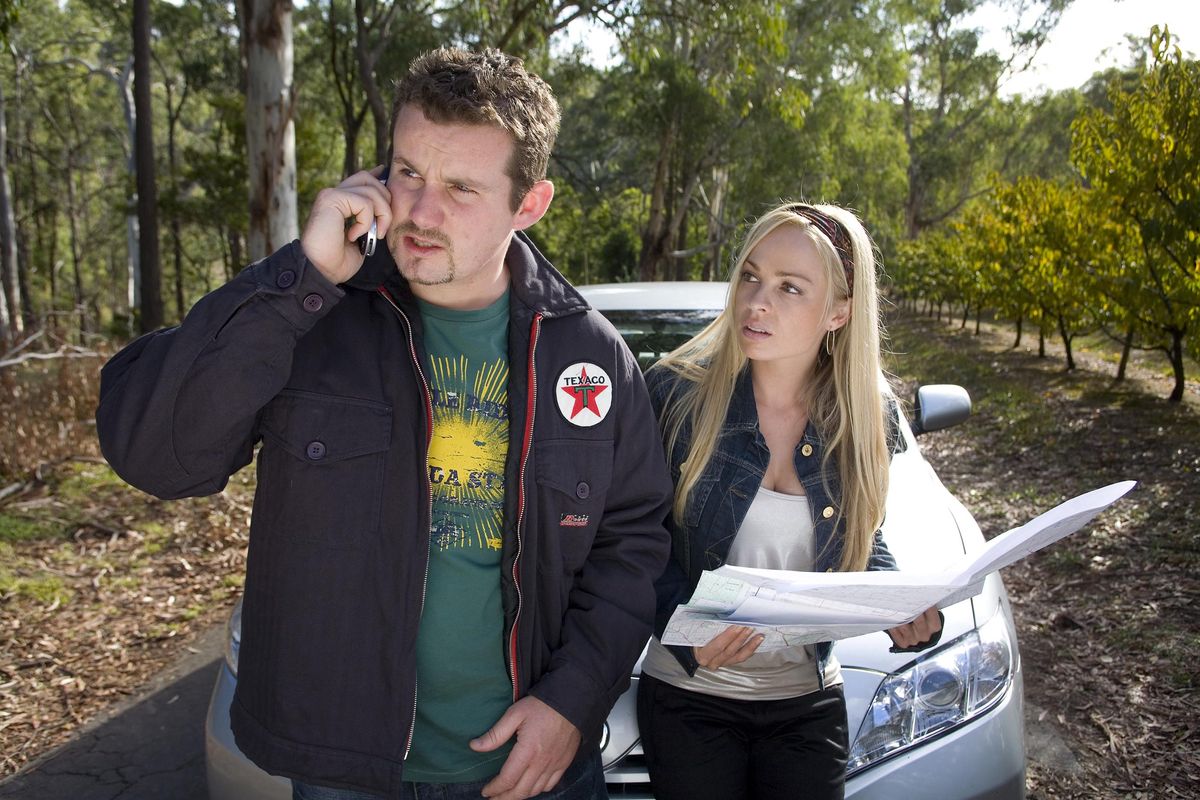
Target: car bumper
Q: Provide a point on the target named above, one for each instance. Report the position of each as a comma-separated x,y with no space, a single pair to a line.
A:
232,776
982,760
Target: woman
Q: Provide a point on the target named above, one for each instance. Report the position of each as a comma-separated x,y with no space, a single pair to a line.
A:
775,428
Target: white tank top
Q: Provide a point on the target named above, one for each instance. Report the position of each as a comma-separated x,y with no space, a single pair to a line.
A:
777,533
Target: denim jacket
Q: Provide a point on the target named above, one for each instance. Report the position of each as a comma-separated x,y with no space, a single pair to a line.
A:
722,496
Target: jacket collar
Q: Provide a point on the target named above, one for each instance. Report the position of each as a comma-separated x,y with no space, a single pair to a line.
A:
535,283
743,413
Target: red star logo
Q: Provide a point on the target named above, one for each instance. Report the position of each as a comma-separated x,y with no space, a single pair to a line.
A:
585,395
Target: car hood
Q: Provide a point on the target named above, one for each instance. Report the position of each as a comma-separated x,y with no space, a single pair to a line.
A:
927,530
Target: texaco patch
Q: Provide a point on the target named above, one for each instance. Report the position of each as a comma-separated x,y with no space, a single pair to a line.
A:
584,394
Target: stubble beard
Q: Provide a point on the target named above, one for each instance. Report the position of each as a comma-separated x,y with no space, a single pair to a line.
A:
409,265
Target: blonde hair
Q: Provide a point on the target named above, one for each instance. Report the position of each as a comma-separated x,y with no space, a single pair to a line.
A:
844,394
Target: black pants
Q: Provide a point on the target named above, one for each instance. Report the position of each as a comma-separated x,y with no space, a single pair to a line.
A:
698,746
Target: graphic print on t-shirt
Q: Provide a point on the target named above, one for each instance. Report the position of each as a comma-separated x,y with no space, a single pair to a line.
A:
467,452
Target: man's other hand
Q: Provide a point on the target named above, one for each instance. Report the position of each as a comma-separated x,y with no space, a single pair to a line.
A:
546,746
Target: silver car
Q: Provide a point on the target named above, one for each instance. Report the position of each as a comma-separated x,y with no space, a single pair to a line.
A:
946,724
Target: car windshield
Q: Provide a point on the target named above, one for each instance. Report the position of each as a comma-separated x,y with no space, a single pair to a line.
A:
652,334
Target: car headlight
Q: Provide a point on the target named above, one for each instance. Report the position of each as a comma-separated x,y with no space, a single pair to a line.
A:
938,692
233,641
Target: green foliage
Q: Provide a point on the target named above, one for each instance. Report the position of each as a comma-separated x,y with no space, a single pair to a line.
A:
594,242
1119,253
1143,155
708,114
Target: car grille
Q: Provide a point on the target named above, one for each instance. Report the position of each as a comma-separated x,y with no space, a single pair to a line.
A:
628,777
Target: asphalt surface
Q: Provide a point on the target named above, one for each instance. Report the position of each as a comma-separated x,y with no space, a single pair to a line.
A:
150,747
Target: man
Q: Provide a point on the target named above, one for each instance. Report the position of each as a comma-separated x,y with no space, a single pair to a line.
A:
460,488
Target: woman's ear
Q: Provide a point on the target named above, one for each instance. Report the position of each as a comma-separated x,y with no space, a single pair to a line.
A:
839,315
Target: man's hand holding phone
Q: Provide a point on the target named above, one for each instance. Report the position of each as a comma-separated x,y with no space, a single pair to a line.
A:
342,215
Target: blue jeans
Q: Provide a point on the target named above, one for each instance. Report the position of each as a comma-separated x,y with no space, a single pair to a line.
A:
583,780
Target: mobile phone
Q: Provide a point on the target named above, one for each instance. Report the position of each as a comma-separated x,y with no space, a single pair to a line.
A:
367,242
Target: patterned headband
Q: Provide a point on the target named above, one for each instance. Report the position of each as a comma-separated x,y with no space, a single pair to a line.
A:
837,234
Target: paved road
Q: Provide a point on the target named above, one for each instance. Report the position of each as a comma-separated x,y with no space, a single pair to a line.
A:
148,748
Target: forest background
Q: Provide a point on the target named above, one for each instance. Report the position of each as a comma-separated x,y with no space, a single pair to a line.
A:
151,149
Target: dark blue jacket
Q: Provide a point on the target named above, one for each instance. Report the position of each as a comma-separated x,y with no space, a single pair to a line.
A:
722,496
329,379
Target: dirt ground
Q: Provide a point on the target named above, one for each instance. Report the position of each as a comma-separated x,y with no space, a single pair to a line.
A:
1106,619
101,586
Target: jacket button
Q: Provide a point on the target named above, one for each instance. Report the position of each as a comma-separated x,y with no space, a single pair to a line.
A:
313,303
828,512
806,450
829,569
285,279
582,490
315,451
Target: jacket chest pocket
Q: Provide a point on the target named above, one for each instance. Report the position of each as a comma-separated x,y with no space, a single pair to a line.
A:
321,470
573,477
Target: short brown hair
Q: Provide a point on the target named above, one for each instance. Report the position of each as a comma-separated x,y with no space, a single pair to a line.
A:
486,88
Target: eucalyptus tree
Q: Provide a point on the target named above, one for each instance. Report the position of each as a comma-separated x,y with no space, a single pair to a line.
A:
698,73
71,146
150,302
11,323
197,60
266,29
947,103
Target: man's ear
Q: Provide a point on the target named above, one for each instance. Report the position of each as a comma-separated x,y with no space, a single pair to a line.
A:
533,205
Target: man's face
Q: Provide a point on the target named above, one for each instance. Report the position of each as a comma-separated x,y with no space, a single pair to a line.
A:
451,215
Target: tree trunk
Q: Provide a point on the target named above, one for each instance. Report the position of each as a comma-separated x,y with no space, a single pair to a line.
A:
978,318
150,302
1041,342
1066,340
76,258
10,289
174,113
367,54
1020,326
133,280
28,312
1177,366
656,226
714,264
236,259
677,227
270,126
1126,347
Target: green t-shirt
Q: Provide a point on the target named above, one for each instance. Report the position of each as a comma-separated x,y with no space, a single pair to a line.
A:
462,680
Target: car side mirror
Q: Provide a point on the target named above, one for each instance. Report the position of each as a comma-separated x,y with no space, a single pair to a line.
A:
938,406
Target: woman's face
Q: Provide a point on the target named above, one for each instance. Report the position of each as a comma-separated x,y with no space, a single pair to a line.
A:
780,301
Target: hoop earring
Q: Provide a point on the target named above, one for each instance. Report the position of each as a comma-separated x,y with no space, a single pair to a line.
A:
829,342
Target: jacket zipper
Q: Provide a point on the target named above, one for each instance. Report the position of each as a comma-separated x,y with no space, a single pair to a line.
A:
526,444
412,351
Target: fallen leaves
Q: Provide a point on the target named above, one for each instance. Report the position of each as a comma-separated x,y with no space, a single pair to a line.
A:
1106,621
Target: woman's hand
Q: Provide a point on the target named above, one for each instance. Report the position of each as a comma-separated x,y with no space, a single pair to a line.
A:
731,646
919,631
